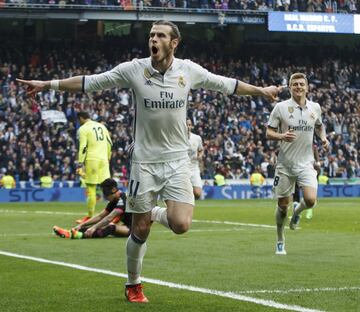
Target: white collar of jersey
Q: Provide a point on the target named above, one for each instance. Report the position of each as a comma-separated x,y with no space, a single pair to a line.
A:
298,106
154,71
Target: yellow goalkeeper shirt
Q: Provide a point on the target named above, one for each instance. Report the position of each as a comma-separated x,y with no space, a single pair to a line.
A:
94,142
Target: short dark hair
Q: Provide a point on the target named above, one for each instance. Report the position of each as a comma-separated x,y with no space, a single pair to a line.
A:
83,114
175,32
109,186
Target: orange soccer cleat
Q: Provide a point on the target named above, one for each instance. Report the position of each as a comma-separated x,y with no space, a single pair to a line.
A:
61,232
134,293
116,220
82,220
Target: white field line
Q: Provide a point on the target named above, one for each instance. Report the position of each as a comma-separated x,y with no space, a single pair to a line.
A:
231,295
235,223
298,290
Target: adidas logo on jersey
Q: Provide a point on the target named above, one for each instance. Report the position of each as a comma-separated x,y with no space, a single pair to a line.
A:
148,83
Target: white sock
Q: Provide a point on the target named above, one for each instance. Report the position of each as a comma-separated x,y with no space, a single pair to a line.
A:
135,251
159,214
280,217
302,206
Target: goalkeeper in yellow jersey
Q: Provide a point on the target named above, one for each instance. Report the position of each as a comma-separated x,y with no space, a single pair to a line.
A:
94,156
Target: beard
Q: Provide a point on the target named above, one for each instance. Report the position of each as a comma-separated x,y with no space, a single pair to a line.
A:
165,52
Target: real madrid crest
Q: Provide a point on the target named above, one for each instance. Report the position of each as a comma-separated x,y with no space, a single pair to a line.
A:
291,110
181,82
131,202
312,116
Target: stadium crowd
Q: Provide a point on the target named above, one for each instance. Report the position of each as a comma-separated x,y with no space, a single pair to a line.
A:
232,127
329,6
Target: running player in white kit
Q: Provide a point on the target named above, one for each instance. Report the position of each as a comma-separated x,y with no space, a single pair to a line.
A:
196,152
160,161
293,122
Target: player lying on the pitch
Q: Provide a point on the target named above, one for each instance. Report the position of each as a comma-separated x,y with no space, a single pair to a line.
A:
113,220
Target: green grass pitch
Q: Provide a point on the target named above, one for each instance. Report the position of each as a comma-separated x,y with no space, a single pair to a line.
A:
321,271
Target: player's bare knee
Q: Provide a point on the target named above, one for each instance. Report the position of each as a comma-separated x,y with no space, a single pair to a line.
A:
310,202
283,208
180,227
141,229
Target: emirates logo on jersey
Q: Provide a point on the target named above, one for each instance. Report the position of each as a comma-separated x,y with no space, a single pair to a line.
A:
181,82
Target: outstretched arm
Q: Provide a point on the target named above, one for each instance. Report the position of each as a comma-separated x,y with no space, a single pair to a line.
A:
93,220
102,223
270,93
73,84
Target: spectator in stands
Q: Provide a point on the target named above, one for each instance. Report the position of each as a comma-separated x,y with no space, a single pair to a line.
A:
323,178
46,180
256,178
256,181
219,178
8,181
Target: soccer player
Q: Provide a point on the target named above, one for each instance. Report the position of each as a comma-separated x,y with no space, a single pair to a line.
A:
293,122
94,154
107,221
196,152
160,163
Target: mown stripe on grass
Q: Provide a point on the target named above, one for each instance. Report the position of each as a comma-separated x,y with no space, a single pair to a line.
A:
195,221
42,212
230,295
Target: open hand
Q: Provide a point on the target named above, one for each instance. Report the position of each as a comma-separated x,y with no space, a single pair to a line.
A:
34,86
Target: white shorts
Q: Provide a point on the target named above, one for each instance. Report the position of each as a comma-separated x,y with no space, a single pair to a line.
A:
195,177
169,180
285,180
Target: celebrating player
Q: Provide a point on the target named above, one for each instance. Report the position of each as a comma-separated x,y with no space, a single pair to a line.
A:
94,152
113,220
159,155
196,152
293,122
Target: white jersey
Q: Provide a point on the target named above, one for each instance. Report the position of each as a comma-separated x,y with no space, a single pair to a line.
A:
195,146
288,115
160,131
